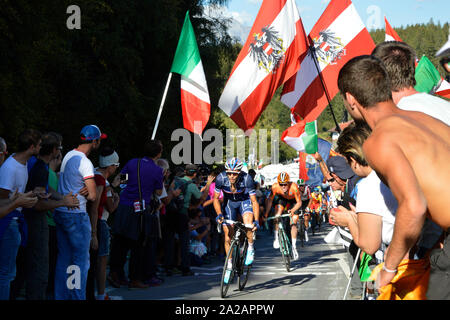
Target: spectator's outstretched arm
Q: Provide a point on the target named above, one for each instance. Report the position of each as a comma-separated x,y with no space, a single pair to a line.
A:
322,165
18,200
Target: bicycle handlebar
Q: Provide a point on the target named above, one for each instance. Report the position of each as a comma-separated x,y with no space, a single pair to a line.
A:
232,222
281,216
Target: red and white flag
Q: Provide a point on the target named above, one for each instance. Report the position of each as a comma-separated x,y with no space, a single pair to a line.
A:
444,89
269,57
390,35
338,36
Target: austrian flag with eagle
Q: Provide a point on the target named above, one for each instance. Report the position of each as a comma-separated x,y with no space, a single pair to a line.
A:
269,57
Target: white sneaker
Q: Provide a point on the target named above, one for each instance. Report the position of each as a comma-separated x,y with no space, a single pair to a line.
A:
306,236
294,254
276,244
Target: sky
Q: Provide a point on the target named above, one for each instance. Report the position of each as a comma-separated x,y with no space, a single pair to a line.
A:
398,13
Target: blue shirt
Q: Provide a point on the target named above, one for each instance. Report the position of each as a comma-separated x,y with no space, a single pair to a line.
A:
245,187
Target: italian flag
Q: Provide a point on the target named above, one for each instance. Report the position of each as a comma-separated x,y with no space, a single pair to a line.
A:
195,101
429,80
302,136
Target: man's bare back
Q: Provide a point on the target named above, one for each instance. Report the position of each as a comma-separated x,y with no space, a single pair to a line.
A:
413,139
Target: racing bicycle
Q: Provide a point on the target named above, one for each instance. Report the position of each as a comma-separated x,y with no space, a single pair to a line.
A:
237,252
285,244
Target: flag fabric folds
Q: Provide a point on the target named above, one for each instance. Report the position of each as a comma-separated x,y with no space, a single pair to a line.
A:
195,102
390,34
302,137
410,281
444,89
338,36
429,80
364,268
269,57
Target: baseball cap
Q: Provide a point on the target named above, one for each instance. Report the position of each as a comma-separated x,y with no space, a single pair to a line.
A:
112,159
91,132
339,166
191,168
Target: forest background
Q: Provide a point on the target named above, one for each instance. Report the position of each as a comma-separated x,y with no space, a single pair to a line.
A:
112,72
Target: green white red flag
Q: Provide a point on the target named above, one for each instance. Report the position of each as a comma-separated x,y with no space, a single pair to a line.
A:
302,136
195,102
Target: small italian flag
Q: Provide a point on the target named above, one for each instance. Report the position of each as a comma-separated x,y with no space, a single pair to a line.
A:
429,80
302,136
194,90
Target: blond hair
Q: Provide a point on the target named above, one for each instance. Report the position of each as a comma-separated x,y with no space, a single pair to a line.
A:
351,140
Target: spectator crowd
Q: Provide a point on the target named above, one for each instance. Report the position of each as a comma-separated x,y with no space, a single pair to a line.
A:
67,228
63,222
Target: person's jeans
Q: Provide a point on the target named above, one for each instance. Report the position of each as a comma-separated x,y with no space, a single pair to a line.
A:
9,246
73,232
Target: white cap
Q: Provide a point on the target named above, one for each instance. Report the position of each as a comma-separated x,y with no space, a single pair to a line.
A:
112,159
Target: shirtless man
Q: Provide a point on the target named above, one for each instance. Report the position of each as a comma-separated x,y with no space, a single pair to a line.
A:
409,151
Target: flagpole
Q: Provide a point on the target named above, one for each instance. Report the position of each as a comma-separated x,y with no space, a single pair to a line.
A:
313,52
161,106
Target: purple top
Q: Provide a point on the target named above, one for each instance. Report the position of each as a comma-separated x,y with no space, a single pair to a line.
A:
151,180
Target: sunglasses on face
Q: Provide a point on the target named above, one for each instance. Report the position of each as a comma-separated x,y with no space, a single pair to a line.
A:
331,180
283,184
232,174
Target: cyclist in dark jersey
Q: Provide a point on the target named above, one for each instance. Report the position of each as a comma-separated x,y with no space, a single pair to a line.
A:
239,198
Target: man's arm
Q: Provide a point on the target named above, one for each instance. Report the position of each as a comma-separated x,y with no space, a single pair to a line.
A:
298,200
389,161
69,200
322,165
91,189
255,206
18,200
269,204
93,215
369,226
216,203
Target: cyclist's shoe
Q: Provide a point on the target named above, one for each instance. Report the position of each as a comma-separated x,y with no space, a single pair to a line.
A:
276,244
294,254
306,236
226,279
250,256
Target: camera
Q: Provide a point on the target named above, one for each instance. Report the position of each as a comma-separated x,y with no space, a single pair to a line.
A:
123,177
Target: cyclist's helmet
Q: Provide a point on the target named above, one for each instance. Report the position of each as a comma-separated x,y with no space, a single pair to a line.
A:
233,165
283,178
301,182
317,189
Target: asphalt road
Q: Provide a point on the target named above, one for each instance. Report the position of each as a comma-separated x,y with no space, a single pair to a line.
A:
321,273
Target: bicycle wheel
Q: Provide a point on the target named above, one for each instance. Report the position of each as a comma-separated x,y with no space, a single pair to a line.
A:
284,248
233,253
244,270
